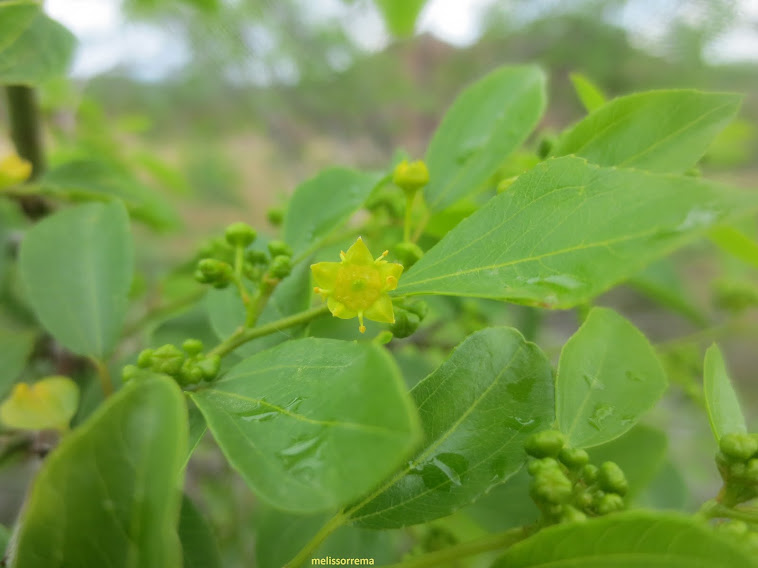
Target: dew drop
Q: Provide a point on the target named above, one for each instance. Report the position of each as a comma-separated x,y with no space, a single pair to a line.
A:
257,412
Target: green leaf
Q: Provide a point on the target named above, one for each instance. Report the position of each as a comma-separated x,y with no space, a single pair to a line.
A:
313,423
628,540
658,131
281,535
197,429
660,282
400,15
489,120
721,401
227,312
199,547
322,204
608,376
109,494
639,452
15,348
567,231
736,243
77,268
506,506
93,180
476,410
667,490
33,48
587,91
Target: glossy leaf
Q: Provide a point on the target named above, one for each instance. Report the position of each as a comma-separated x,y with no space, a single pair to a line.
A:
313,423
639,453
736,243
33,48
227,312
322,204
628,540
721,401
400,15
566,231
476,410
199,547
489,120
77,268
109,494
608,376
589,93
93,180
15,348
658,131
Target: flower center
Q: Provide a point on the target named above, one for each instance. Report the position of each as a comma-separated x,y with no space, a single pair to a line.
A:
357,287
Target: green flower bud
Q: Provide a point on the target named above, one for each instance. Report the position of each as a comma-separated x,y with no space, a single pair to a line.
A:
256,257
240,234
547,443
279,248
546,146
192,346
584,500
573,458
129,372
550,486
410,177
418,307
145,358
275,216
408,253
280,267
168,359
612,479
570,514
737,470
738,446
210,366
406,323
215,272
537,465
609,503
190,374
589,473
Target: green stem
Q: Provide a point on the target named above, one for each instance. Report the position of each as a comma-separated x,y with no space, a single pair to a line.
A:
161,312
255,308
408,218
243,335
447,555
104,376
26,133
715,510
305,553
239,260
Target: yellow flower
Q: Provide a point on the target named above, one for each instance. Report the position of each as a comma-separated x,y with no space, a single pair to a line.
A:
14,170
48,403
358,285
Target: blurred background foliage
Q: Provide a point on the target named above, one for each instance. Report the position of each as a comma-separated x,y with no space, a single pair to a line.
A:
268,92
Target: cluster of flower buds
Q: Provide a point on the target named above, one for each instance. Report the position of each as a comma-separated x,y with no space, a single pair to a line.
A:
219,257
565,486
741,532
737,461
187,365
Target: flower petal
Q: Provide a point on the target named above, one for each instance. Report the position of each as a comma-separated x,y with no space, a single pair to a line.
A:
381,310
325,273
339,310
359,253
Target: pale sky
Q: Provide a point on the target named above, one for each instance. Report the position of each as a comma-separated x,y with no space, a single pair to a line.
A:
107,40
